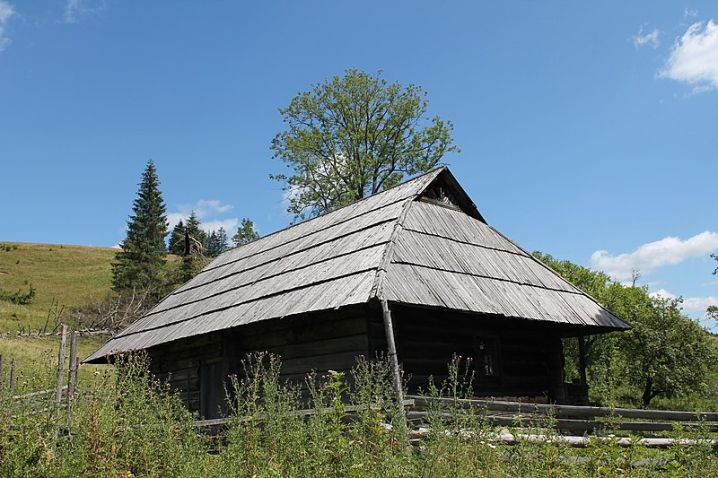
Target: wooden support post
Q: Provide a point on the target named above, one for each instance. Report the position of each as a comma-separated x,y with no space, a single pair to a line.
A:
554,360
13,366
61,365
582,358
391,346
72,372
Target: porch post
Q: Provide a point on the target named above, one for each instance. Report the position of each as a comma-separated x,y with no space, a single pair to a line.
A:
582,358
391,349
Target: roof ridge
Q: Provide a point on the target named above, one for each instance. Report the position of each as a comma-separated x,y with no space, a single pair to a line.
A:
377,289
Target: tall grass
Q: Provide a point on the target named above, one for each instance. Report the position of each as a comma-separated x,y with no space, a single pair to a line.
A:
345,425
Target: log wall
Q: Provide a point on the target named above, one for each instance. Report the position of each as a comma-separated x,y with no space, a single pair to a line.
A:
199,366
530,356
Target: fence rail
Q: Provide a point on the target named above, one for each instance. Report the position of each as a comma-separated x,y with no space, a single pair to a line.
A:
529,421
568,419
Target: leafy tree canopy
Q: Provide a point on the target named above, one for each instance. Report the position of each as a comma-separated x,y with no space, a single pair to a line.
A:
666,353
353,136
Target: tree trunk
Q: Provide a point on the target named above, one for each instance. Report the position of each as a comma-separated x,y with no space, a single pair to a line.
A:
648,392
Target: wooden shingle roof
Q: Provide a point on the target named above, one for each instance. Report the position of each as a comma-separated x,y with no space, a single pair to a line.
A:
420,243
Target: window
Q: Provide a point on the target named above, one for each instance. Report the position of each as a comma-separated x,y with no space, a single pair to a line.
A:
487,357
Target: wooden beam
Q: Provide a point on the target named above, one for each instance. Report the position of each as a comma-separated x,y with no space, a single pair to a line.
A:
391,345
582,358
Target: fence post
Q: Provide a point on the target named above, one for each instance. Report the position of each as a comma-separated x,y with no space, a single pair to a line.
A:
13,366
61,364
71,374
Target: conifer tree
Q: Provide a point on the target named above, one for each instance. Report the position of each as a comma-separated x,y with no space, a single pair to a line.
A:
177,239
213,248
245,233
139,265
222,240
194,230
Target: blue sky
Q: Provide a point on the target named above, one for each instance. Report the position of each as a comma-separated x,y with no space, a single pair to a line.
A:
587,130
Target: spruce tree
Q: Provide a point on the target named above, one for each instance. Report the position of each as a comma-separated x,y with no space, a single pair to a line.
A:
222,240
139,265
213,248
193,229
245,233
177,239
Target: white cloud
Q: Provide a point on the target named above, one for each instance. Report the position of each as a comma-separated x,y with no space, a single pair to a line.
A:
695,306
229,225
6,12
208,211
648,257
694,58
699,304
74,9
649,39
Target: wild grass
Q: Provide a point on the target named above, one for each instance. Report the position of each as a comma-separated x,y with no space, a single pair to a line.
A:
138,427
37,356
62,276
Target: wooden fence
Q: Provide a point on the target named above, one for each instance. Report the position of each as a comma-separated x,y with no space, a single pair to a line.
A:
41,401
577,425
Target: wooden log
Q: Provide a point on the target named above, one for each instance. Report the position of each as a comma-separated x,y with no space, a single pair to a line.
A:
320,347
574,441
572,410
321,363
294,335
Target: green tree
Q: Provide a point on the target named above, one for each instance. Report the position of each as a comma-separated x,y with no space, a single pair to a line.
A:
666,353
193,228
213,248
669,354
222,239
176,246
194,249
139,265
354,136
245,233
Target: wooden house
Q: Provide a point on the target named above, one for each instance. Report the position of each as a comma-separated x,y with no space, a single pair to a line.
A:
414,269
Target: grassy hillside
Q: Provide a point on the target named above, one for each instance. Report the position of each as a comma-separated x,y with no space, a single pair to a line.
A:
70,275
